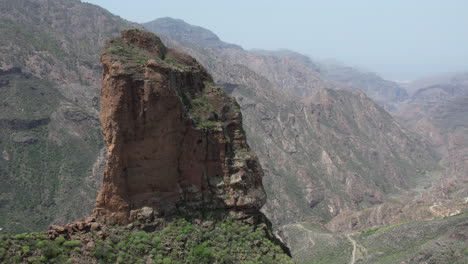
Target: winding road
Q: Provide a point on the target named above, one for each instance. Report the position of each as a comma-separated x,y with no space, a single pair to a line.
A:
311,241
353,256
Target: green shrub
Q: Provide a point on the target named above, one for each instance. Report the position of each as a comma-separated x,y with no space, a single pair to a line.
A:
60,239
201,254
103,252
117,49
72,243
179,242
156,241
17,258
50,250
2,253
25,249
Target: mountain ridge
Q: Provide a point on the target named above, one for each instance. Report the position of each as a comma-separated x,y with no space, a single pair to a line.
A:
188,33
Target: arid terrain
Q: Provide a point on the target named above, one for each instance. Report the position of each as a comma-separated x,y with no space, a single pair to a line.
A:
355,168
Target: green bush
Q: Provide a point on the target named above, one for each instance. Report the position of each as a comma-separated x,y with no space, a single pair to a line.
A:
156,242
2,253
72,243
50,249
60,239
25,249
103,252
201,254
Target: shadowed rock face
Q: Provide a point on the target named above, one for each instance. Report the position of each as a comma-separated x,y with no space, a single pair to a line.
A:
174,140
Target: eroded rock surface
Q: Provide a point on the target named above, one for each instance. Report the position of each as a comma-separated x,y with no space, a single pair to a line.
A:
175,141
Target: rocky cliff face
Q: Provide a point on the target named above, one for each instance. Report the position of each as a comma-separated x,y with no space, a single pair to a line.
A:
174,140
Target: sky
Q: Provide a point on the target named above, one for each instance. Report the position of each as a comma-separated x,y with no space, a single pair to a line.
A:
398,39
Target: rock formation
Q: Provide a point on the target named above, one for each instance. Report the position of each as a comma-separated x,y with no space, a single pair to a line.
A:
175,141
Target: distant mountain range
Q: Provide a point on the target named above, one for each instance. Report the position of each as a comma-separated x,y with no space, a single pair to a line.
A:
438,111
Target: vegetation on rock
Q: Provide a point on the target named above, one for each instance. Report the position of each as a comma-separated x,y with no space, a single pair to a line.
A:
178,241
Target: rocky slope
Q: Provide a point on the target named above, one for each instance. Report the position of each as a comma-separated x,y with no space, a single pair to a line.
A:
445,124
56,40
174,140
49,145
337,158
50,137
187,33
380,90
435,241
457,82
283,72
331,152
292,121
438,112
454,86
384,92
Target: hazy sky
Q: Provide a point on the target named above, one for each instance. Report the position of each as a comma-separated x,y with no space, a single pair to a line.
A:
399,39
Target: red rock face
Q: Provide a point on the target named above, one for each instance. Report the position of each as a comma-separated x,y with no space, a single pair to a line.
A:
174,140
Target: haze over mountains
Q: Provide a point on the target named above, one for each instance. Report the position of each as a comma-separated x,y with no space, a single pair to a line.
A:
399,40
338,167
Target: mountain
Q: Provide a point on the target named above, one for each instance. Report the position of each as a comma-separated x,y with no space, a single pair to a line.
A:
439,113
333,158
176,151
51,144
187,33
373,85
446,79
349,78
329,152
332,151
439,89
56,40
